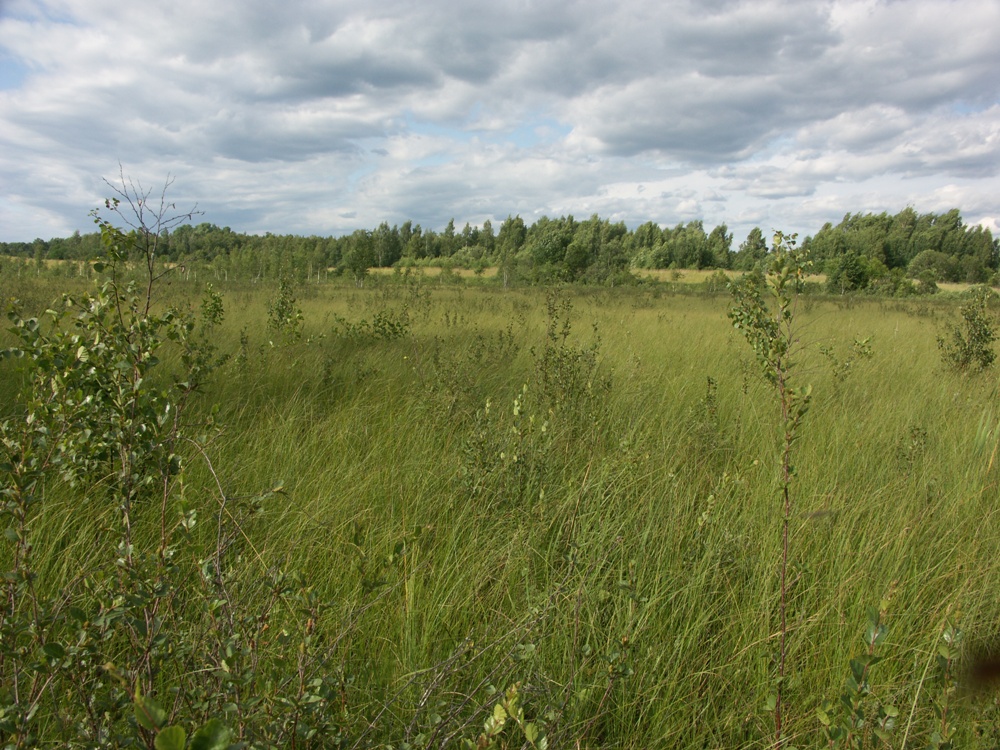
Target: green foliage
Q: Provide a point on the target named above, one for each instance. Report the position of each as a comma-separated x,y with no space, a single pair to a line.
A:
213,735
841,368
213,311
933,266
859,719
569,378
93,418
927,282
508,710
852,272
969,345
149,613
284,318
752,251
717,282
507,452
861,252
385,325
358,256
943,701
769,328
940,243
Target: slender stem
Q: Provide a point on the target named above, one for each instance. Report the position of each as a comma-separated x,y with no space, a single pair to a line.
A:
786,478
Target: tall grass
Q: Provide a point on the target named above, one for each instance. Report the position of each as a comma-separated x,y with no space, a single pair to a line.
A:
623,569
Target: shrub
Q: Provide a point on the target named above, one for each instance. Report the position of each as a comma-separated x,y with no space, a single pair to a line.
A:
969,345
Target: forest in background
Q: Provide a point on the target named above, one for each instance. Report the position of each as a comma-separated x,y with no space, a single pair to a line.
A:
893,255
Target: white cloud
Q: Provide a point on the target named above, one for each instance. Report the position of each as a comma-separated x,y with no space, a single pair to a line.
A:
338,115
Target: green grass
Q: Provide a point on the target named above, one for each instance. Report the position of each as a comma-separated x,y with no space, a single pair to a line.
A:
624,567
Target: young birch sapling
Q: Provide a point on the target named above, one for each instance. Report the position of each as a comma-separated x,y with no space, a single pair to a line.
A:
769,326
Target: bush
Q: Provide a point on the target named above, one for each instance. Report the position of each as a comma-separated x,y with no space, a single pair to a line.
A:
944,267
969,345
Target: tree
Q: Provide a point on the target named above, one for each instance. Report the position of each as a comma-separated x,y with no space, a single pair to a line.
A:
510,240
944,267
359,256
770,328
449,242
752,250
690,245
720,245
386,245
848,273
405,232
415,245
486,238
547,241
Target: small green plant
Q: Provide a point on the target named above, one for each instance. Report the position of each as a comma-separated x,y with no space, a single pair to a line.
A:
969,345
284,318
93,418
385,325
911,449
508,711
861,349
717,282
569,377
770,329
506,452
943,733
709,438
859,715
213,735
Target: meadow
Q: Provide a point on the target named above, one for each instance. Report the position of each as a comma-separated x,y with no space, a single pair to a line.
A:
423,514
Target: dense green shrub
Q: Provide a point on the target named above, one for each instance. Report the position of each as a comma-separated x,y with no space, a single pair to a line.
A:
969,345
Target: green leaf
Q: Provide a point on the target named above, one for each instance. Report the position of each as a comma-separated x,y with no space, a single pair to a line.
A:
54,650
149,715
170,738
531,732
499,713
213,736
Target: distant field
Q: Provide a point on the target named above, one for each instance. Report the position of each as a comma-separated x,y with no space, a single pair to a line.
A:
432,271
697,276
683,276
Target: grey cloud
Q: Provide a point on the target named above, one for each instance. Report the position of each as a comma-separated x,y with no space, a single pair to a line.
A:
736,81
750,39
693,118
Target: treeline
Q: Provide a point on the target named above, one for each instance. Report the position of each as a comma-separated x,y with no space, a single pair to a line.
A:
881,251
875,252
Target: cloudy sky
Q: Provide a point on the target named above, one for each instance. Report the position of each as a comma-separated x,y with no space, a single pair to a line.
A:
326,116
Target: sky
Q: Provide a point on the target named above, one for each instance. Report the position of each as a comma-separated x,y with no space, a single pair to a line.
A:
327,116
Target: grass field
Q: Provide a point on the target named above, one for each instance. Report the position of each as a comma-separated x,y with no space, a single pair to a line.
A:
577,492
